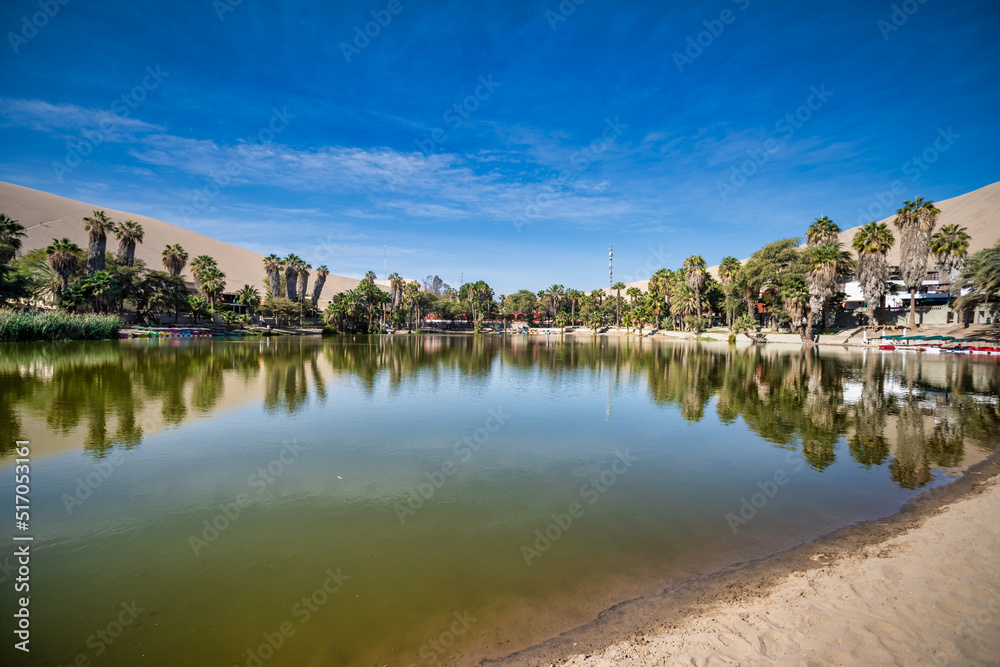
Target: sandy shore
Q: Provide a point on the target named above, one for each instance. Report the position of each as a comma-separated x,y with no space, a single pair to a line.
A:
919,588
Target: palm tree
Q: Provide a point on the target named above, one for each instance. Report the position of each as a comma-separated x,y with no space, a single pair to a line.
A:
411,292
303,280
822,230
694,276
63,258
129,233
728,269
292,263
396,285
553,297
981,276
174,259
98,225
199,265
618,287
321,273
795,298
872,243
273,267
213,283
574,296
249,297
824,261
915,222
11,232
370,277
950,245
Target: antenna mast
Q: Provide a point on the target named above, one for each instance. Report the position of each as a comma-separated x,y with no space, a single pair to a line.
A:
611,266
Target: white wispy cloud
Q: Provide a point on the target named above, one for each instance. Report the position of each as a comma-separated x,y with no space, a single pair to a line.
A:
46,117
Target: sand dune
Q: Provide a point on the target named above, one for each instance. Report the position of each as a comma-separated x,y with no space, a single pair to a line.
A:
930,595
978,211
46,216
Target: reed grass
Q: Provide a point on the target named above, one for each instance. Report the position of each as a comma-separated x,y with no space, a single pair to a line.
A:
23,326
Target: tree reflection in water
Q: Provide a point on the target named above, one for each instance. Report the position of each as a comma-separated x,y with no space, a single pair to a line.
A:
906,413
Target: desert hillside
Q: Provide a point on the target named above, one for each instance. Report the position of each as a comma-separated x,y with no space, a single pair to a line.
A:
978,211
46,216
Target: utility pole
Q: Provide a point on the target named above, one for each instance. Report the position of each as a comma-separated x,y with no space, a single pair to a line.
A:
385,264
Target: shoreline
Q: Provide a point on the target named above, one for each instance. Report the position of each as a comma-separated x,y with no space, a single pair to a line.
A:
687,622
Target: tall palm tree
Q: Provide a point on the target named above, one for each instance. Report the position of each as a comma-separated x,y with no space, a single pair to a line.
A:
273,268
618,287
411,293
872,243
949,246
11,232
553,297
129,233
728,269
321,273
62,257
824,263
292,263
574,296
98,225
396,287
795,298
213,283
303,280
199,265
694,276
915,222
370,277
174,259
822,230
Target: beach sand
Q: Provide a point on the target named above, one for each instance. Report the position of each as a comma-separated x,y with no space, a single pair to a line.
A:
919,588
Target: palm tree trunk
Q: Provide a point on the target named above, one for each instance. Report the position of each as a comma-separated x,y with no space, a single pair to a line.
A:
913,310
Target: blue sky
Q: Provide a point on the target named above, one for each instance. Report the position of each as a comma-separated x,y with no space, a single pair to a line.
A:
283,127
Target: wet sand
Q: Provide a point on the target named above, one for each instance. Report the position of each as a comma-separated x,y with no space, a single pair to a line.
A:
921,587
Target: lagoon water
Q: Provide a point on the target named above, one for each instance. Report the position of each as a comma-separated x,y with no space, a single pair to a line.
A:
438,499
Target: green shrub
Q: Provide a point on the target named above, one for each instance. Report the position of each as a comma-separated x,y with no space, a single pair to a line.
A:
330,330
20,326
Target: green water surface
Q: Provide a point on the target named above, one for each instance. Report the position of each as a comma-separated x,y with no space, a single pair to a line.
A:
436,499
